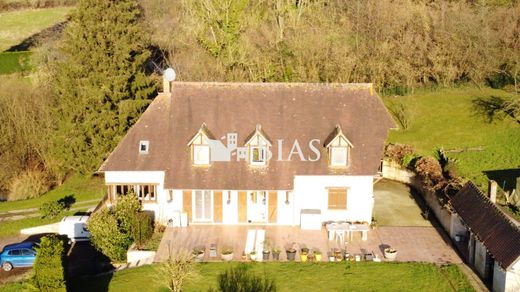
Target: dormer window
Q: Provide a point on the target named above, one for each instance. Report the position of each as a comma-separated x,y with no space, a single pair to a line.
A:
258,145
338,156
144,146
338,147
200,154
200,151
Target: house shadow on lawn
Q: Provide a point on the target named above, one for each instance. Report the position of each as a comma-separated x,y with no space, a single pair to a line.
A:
505,178
88,269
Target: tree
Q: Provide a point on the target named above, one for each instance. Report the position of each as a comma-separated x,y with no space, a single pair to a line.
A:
107,236
100,83
49,274
176,270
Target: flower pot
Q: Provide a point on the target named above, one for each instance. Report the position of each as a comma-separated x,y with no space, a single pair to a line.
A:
265,255
317,257
227,257
332,258
390,254
276,256
303,257
199,257
252,256
291,255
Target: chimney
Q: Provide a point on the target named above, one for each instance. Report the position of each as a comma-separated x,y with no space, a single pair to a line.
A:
168,76
492,191
166,85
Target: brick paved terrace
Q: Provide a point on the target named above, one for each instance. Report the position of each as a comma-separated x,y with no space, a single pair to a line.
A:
417,244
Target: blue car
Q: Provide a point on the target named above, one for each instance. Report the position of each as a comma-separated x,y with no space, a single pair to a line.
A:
18,255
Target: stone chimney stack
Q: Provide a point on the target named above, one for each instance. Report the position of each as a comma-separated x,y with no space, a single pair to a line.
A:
168,76
166,85
492,191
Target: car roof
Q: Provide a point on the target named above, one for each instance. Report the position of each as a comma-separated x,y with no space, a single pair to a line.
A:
78,218
25,244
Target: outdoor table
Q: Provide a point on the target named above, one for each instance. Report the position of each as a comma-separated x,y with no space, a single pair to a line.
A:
363,228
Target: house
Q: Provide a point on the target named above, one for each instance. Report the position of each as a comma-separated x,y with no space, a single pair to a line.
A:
487,238
253,153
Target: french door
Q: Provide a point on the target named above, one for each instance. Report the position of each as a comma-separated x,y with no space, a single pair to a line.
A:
257,207
203,206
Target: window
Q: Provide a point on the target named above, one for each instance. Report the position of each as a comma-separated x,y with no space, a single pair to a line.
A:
338,156
337,198
28,252
147,193
15,252
258,155
143,147
200,154
124,189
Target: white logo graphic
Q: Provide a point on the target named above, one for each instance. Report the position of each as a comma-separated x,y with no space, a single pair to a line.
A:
225,153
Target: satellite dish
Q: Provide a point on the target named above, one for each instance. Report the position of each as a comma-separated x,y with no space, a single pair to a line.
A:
169,74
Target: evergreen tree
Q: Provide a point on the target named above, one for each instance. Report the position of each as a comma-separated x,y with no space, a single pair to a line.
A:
100,84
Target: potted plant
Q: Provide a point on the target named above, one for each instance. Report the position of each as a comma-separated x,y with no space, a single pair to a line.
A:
317,255
227,254
252,255
390,253
276,254
338,254
265,254
244,256
331,257
198,253
291,253
304,254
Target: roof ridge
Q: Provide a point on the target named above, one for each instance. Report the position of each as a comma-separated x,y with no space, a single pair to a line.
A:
493,205
276,84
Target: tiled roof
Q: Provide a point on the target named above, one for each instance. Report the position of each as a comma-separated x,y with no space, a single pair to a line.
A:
500,236
286,111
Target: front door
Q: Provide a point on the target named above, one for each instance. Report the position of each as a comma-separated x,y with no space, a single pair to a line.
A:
257,207
202,206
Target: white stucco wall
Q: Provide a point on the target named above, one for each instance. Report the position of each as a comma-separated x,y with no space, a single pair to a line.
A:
506,281
480,258
285,211
164,208
311,192
230,211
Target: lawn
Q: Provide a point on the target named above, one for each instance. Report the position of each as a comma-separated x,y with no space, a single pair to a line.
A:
447,118
19,25
297,277
11,62
81,188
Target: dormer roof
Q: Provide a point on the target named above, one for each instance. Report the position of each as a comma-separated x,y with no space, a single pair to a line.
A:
202,134
337,138
256,136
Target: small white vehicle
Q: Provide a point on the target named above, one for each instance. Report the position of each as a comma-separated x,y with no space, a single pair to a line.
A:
75,227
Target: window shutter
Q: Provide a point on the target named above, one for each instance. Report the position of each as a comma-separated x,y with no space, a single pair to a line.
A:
338,198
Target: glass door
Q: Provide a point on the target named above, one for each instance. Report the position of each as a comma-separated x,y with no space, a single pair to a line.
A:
257,207
203,206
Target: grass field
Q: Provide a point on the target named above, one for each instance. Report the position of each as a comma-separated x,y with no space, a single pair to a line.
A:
19,25
82,188
447,118
11,62
296,277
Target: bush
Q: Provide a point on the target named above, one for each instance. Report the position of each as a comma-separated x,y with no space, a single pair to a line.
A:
49,272
126,211
430,170
176,270
52,209
28,185
240,279
107,235
142,230
398,152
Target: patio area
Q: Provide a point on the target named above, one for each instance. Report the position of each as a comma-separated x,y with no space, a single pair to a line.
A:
418,244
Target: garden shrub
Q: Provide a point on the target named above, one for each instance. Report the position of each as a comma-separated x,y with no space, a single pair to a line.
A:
52,209
142,230
107,235
398,152
126,211
28,185
49,272
430,170
240,279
